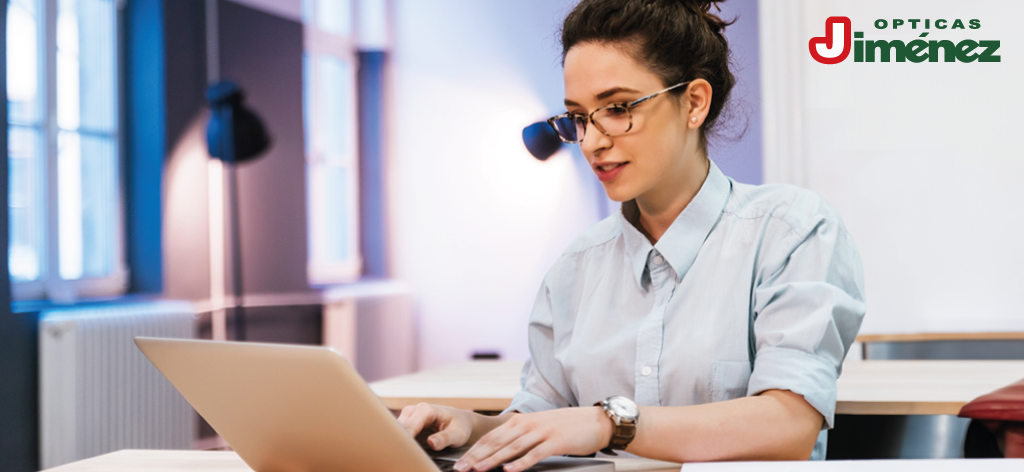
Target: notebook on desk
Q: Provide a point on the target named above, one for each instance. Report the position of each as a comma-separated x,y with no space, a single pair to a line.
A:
285,407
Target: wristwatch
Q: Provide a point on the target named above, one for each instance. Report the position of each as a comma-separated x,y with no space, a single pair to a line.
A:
624,415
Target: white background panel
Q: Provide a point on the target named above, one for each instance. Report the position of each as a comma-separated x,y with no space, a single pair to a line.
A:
924,161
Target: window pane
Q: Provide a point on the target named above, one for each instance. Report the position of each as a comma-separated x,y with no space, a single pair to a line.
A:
97,59
25,89
87,143
331,218
99,205
337,217
334,16
86,65
26,205
68,103
87,198
69,202
336,107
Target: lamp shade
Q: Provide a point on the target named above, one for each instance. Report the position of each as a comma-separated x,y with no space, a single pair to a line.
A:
541,140
250,136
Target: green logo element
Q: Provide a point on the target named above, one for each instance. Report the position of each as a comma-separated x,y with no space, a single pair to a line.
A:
834,47
920,50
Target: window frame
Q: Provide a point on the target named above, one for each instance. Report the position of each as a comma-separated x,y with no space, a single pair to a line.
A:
319,43
50,285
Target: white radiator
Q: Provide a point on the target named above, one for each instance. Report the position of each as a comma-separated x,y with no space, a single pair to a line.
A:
98,393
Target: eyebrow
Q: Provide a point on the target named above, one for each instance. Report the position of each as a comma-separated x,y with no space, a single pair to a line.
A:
604,95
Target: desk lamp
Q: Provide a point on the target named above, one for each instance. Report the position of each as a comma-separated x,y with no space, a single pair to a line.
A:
540,139
234,135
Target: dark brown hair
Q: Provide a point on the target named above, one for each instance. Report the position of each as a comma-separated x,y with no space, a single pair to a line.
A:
678,40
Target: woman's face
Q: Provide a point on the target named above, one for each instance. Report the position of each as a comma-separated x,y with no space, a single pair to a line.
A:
660,148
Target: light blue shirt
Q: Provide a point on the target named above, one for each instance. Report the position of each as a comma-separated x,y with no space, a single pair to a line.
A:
751,288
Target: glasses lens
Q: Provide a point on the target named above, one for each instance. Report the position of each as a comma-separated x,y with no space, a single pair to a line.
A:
568,128
613,120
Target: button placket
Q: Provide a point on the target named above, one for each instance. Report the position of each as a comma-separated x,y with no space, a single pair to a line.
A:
651,335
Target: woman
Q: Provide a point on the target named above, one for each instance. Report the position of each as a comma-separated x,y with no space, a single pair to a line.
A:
722,310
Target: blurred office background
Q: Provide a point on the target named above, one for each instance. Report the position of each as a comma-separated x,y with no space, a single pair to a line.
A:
397,215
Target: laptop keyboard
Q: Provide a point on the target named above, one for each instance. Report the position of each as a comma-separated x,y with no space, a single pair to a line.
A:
447,465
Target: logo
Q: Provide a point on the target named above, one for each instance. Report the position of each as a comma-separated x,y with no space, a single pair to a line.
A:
837,30
835,46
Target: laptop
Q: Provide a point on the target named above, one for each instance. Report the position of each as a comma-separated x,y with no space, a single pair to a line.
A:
302,408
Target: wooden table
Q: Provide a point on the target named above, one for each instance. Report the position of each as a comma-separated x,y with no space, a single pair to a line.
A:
948,336
478,385
919,387
865,388
215,461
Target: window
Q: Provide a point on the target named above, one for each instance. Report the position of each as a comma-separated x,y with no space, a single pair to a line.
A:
332,174
63,141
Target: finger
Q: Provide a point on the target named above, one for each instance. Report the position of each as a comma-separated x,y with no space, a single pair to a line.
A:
516,449
452,429
491,443
421,417
439,440
531,458
487,446
405,413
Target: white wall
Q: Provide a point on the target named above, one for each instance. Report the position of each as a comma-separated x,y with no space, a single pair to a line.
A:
922,160
475,221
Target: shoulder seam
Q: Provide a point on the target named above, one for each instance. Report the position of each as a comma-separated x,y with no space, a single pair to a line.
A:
769,215
611,237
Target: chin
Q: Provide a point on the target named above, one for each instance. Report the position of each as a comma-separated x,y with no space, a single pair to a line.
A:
618,192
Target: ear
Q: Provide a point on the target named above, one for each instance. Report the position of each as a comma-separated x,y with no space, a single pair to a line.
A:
696,102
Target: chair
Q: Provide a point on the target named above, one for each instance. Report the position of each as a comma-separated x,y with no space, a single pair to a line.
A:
997,423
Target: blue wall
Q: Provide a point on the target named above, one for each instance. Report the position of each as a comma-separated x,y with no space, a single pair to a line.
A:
147,143
738,151
18,405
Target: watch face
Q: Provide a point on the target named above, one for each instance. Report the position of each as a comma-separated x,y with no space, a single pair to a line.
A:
623,407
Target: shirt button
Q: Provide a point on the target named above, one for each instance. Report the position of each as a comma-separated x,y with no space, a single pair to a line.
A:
646,371
658,259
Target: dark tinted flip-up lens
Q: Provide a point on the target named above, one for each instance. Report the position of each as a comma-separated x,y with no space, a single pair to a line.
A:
566,127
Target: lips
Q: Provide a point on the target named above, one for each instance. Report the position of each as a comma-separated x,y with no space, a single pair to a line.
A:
608,171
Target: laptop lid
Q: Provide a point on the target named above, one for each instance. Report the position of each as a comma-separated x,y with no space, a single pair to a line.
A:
304,408
287,407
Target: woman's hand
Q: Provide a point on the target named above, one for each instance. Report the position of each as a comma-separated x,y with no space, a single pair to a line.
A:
454,426
528,438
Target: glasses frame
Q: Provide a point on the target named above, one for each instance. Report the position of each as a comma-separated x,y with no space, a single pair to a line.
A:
590,118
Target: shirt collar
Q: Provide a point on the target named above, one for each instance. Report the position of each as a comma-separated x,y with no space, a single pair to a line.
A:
685,236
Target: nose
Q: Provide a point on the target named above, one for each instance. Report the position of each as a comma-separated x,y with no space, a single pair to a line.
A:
594,142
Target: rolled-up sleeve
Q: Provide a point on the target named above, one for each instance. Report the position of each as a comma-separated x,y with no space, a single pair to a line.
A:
543,382
808,304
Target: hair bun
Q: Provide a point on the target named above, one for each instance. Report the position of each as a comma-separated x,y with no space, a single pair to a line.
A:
703,10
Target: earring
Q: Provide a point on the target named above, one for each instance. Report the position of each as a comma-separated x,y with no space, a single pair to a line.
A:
694,119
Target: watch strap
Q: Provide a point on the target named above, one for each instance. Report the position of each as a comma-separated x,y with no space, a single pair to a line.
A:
623,431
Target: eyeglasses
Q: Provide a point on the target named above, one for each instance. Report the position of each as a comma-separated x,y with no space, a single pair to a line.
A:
612,120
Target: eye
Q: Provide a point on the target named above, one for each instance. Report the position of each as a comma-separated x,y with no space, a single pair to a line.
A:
577,117
617,110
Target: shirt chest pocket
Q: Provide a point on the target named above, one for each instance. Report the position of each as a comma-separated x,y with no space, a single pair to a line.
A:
729,380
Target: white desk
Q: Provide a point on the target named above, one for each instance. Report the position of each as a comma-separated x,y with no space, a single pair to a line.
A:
865,388
210,461
206,461
898,465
